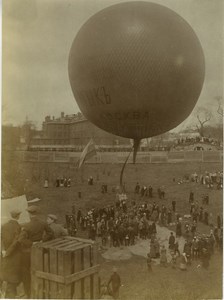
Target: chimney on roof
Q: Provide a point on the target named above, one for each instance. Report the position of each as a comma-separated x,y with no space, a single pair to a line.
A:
62,115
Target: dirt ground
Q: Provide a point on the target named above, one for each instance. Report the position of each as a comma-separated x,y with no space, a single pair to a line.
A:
137,282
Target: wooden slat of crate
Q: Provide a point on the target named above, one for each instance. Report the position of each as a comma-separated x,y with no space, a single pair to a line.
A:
53,270
73,247
48,243
95,254
94,259
77,285
34,266
82,280
37,264
84,241
65,244
67,270
54,244
68,279
72,272
40,263
92,276
86,253
59,271
46,264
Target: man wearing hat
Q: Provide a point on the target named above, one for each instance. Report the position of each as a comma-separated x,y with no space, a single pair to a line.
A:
115,281
57,229
11,262
34,231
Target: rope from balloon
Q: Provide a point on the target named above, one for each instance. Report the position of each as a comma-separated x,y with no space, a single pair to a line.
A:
135,150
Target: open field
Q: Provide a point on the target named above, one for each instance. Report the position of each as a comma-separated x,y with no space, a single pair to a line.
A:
59,200
162,283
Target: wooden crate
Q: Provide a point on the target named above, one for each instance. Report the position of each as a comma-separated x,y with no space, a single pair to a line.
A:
65,268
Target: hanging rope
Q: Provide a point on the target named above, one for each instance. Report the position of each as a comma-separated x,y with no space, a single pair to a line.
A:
122,170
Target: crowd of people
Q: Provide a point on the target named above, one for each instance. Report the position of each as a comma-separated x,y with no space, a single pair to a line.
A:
119,225
63,182
209,179
124,222
197,139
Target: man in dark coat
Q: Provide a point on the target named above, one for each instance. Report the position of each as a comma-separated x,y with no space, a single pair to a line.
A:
115,281
174,205
11,262
150,191
191,197
178,229
34,231
171,241
205,258
137,188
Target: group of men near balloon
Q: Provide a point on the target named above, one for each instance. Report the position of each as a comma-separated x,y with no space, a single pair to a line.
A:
16,243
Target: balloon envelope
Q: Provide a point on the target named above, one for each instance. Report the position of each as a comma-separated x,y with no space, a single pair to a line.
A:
136,69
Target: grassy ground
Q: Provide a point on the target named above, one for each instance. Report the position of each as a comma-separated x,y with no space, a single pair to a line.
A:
162,283
167,283
60,200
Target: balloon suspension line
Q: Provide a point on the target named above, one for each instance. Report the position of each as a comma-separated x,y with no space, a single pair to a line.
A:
122,170
135,149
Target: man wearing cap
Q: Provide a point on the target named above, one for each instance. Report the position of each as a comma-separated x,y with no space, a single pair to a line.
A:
57,229
33,231
115,281
11,262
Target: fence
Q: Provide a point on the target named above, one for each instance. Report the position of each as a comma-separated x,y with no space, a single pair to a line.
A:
119,157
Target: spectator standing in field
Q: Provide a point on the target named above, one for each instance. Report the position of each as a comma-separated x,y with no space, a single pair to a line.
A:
58,182
162,192
46,183
205,258
11,254
178,229
58,229
150,189
90,180
218,221
176,248
206,217
69,182
33,231
183,262
137,188
191,197
149,262
169,217
173,260
195,248
163,257
174,205
115,282
171,241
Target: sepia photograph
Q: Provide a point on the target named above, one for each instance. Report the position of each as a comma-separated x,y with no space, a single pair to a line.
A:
112,149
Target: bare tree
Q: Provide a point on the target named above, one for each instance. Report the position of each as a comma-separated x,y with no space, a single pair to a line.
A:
28,131
220,105
203,116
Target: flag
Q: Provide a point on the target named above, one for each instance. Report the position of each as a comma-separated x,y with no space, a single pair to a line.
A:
88,152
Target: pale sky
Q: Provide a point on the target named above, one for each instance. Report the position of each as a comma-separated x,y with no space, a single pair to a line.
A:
37,36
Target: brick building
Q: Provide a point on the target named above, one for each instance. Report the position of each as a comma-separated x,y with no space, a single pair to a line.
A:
75,130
